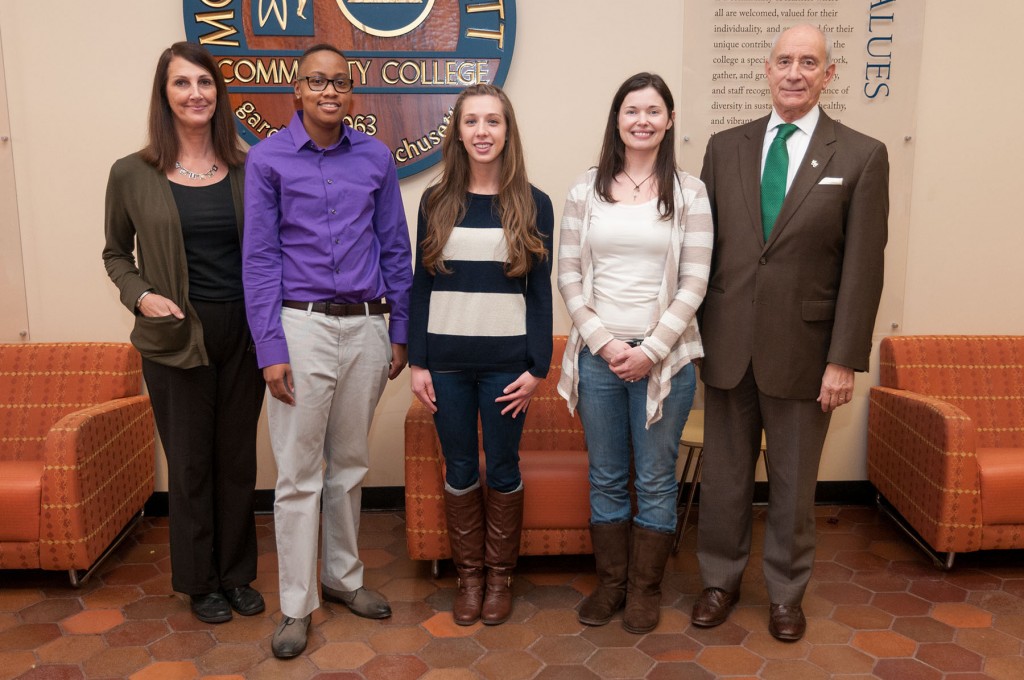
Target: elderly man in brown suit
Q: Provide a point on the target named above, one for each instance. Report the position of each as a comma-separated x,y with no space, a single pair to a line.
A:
800,205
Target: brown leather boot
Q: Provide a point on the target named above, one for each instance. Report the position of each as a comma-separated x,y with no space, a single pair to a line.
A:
648,553
504,528
611,555
465,516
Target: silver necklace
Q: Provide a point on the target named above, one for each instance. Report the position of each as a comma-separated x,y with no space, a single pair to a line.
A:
636,185
185,172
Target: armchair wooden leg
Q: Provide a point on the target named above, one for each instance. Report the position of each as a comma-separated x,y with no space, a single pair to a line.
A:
690,489
78,578
435,568
941,560
694,441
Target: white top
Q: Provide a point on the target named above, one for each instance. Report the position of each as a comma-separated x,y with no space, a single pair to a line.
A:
628,244
674,339
797,143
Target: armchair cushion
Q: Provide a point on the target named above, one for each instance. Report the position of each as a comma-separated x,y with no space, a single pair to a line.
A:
1002,483
556,491
20,490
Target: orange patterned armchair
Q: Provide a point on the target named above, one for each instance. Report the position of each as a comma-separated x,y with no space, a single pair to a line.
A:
946,440
76,453
553,462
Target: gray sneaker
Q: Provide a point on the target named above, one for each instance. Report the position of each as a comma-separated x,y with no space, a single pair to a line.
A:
290,637
362,602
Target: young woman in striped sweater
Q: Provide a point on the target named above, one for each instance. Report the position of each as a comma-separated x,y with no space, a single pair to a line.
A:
633,259
480,336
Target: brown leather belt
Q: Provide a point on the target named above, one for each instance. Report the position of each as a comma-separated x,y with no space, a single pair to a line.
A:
341,309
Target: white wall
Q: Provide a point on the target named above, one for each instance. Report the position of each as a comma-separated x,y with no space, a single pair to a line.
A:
78,77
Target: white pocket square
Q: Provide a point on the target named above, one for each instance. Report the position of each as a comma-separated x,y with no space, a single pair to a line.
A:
831,180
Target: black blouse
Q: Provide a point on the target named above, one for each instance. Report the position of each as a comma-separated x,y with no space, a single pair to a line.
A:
212,250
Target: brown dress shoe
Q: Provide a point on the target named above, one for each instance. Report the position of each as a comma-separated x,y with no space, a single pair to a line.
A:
786,622
713,607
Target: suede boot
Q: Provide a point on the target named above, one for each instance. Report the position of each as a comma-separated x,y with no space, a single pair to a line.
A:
504,529
465,515
611,555
648,553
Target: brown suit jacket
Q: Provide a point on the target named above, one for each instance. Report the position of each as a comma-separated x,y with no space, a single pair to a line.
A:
809,295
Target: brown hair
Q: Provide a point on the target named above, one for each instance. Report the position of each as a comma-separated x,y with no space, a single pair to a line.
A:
161,150
445,203
613,149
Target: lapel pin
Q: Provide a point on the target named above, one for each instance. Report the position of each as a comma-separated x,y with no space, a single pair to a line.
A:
814,164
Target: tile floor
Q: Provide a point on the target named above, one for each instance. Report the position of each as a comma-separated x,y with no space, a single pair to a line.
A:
876,608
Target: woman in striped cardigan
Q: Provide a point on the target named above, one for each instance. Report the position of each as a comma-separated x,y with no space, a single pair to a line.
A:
633,261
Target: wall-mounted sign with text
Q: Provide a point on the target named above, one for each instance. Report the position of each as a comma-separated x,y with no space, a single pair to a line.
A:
409,60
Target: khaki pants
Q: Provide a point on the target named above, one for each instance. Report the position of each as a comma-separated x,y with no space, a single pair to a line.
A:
340,367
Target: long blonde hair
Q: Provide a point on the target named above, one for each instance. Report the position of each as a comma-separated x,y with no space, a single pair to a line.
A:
445,201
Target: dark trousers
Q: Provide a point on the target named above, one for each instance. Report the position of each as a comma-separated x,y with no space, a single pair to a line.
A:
207,417
461,397
795,430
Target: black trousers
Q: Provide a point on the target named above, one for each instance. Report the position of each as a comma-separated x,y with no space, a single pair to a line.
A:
207,418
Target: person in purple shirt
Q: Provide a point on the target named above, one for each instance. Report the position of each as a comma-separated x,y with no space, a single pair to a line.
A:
326,254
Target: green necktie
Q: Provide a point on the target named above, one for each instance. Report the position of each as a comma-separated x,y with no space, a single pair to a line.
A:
773,180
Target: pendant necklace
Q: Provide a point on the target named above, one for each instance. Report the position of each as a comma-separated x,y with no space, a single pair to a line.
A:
185,172
636,185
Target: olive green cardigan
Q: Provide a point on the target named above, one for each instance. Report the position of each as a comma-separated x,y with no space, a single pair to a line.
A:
145,251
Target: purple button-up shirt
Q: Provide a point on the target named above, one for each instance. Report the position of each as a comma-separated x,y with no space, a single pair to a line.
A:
321,225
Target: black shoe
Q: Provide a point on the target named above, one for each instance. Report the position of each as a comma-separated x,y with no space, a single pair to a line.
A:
245,600
211,608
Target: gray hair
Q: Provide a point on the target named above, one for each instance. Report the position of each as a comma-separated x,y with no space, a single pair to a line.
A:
828,43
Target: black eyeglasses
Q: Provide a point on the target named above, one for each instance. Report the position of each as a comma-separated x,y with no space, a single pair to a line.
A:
319,83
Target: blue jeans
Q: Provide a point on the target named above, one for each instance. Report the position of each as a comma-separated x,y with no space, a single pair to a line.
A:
461,395
614,416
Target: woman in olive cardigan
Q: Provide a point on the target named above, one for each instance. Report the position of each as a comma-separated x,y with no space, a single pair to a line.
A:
173,249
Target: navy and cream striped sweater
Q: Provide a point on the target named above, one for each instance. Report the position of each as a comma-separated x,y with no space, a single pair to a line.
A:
476,317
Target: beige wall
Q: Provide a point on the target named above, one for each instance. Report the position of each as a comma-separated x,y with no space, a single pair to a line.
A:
13,308
78,76
964,274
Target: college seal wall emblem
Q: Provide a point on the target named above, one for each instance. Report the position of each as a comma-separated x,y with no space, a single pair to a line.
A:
409,60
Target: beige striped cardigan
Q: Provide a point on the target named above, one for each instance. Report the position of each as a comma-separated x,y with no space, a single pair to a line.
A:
672,341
